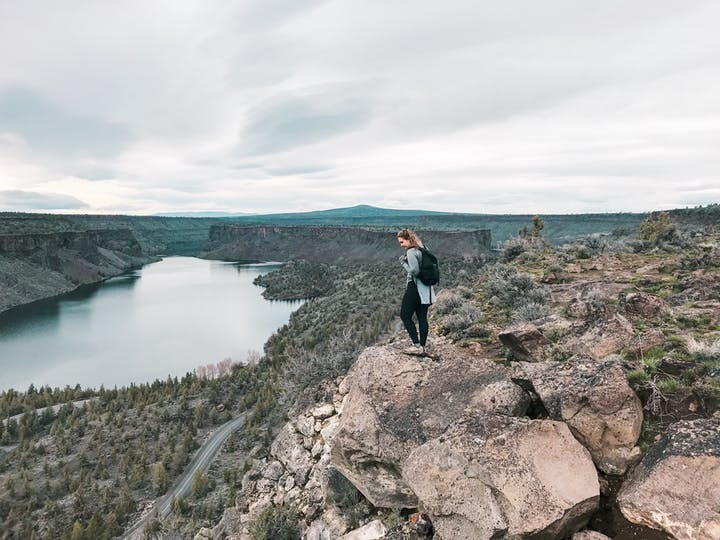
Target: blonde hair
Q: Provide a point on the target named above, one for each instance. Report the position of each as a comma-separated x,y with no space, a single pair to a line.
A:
409,234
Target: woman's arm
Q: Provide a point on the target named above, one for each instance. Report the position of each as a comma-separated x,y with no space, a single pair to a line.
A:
413,261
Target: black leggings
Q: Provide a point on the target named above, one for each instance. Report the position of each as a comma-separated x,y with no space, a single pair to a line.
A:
411,304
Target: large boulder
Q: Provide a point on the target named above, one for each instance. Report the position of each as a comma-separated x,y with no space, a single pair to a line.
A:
676,487
398,402
601,337
497,477
643,305
526,342
596,402
375,530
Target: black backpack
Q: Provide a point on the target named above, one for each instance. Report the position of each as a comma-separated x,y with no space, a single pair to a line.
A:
429,269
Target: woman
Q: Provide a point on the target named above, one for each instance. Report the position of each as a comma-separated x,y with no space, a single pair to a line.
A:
418,296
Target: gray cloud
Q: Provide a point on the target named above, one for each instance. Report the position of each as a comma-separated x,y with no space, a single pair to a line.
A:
48,127
17,200
260,16
296,170
283,105
289,121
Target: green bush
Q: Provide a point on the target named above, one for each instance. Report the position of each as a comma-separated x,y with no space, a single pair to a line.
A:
531,311
513,289
447,304
276,523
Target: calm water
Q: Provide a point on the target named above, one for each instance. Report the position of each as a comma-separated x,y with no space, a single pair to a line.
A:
165,319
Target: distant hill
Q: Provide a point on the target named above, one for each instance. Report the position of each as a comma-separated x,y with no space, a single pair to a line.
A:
559,228
359,211
202,214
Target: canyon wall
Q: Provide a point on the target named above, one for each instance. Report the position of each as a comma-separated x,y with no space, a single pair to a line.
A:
40,265
333,244
155,235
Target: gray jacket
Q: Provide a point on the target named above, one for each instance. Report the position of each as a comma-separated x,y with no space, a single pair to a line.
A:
411,264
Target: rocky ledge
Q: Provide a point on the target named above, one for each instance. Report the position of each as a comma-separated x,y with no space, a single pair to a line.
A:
676,487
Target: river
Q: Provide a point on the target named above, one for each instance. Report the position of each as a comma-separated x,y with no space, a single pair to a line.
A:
166,318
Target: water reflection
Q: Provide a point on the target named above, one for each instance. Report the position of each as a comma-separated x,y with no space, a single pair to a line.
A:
167,318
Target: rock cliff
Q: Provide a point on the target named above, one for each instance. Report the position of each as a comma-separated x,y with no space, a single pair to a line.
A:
332,244
39,265
156,235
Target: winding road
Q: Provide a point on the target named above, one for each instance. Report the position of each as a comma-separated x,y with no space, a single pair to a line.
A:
200,462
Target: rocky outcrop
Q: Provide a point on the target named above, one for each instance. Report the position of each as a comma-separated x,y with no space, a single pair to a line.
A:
676,487
596,402
643,305
496,476
295,474
589,535
375,530
526,342
397,402
332,244
605,336
36,266
446,434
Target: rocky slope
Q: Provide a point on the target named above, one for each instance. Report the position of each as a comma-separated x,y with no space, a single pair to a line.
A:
156,235
43,255
332,244
39,265
519,429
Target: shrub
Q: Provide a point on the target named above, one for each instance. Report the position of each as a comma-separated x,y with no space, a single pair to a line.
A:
276,523
464,292
513,248
531,312
658,231
461,317
657,227
514,289
447,304
703,350
342,493
596,303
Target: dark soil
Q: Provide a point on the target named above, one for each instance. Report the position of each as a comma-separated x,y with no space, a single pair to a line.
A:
610,521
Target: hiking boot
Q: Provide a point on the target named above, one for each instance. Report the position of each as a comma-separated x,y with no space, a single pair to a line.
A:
430,352
415,349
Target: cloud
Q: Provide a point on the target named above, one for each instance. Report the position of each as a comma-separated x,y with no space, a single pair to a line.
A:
296,170
292,120
17,200
48,127
281,105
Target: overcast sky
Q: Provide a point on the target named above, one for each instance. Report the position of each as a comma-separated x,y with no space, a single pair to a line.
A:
521,106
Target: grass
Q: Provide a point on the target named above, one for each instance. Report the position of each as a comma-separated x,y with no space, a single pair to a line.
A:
637,377
669,385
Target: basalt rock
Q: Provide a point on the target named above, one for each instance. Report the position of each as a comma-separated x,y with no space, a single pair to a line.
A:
596,402
526,342
398,402
676,487
605,336
643,305
495,476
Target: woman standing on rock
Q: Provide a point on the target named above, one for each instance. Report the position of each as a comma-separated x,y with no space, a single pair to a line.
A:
418,296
